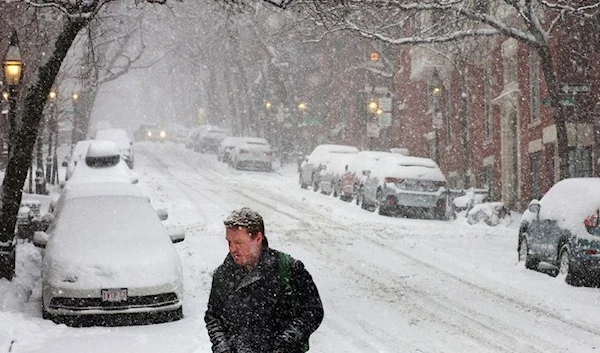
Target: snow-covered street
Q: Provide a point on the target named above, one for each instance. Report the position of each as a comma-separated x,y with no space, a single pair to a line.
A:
388,285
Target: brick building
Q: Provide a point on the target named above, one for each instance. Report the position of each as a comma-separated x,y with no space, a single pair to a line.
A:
484,116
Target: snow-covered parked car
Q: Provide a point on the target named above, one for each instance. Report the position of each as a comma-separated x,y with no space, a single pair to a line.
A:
252,152
208,140
331,175
356,174
122,140
562,230
312,165
403,185
102,163
224,150
108,259
79,151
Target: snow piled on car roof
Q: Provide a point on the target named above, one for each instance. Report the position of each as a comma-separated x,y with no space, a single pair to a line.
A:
570,202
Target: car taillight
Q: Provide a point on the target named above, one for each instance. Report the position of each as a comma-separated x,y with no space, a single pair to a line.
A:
592,220
243,151
590,251
393,180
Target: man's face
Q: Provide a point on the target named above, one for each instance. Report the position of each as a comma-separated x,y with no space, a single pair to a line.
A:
244,249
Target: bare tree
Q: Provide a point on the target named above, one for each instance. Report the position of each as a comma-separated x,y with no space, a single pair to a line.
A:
400,22
61,21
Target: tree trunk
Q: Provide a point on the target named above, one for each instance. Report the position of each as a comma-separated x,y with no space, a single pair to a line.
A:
464,122
21,153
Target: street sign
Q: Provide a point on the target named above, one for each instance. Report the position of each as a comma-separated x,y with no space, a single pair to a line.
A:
564,101
575,88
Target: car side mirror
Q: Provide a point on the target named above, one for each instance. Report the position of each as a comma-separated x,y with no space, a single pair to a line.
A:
40,239
163,215
177,235
534,207
65,164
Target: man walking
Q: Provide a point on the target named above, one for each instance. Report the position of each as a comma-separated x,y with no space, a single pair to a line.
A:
262,300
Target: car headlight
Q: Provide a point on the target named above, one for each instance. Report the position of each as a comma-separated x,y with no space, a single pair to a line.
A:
163,134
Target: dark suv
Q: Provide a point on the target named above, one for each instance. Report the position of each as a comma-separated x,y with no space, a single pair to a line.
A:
560,232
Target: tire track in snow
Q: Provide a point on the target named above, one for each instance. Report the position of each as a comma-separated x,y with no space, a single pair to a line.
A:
492,335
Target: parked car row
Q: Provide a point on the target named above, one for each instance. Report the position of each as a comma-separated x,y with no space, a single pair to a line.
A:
103,239
393,183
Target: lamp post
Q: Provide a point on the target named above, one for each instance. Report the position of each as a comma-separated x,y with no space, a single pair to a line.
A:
75,135
13,66
51,127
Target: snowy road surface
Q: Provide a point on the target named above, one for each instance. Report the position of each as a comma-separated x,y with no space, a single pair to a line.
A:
388,285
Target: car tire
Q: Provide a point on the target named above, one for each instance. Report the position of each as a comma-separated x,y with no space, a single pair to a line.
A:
303,185
530,262
358,195
566,269
315,184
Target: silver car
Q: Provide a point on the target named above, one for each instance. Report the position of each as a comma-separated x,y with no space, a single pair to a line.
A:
252,152
402,185
108,259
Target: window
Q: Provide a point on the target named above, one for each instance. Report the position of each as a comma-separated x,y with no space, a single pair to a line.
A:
487,103
534,86
580,161
535,165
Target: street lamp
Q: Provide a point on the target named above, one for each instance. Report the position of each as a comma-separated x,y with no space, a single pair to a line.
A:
373,106
5,95
268,105
13,66
51,162
302,107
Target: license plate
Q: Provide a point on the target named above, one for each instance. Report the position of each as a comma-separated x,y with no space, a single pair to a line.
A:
113,295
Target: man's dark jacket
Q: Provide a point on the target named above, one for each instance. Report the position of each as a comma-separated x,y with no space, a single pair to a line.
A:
250,311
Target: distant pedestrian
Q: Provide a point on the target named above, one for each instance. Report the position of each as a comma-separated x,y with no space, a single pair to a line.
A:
262,300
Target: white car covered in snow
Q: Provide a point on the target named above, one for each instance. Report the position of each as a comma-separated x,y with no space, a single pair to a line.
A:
108,259
252,152
101,163
403,185
311,167
122,140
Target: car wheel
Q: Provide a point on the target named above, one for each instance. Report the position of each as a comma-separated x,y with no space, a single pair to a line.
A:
358,195
565,269
383,209
524,256
303,185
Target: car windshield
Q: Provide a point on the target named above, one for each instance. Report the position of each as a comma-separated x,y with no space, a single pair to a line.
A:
99,218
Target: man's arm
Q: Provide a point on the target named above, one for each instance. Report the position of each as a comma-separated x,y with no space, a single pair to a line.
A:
307,308
213,319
